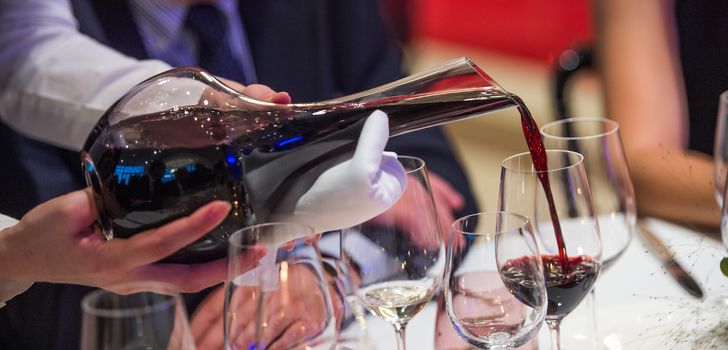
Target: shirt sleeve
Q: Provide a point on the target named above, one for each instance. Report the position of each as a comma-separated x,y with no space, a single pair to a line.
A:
8,288
55,83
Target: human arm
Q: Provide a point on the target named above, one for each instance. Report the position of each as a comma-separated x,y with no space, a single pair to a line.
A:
639,62
59,242
54,78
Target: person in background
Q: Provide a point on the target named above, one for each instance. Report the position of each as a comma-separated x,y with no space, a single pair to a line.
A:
55,82
663,64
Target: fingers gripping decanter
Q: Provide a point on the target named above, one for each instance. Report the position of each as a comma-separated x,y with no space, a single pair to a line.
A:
182,138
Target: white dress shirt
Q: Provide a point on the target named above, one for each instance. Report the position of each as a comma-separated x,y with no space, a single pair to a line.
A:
55,82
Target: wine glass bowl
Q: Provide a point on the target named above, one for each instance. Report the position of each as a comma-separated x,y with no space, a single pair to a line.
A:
558,201
599,141
398,257
285,301
494,288
153,319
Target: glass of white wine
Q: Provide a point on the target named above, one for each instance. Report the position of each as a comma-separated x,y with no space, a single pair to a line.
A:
397,259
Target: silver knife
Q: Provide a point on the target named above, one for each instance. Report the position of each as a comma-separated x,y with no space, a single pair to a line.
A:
667,256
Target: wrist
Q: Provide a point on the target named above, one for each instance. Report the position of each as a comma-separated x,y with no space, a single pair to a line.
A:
11,266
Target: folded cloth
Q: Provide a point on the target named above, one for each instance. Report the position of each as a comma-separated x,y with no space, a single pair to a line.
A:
355,190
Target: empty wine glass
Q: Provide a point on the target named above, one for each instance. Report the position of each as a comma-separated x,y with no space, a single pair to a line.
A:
598,140
720,149
352,333
495,294
140,320
558,202
398,257
283,303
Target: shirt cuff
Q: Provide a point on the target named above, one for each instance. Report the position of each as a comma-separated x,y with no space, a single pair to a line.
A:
10,288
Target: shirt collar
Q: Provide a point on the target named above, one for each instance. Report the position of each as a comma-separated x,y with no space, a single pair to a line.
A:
164,19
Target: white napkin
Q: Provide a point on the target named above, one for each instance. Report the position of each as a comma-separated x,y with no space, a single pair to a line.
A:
345,195
355,190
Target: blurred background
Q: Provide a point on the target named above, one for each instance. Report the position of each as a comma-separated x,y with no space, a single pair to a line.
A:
517,43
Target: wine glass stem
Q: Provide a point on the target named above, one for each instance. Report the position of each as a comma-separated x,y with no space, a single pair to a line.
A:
401,336
555,327
593,307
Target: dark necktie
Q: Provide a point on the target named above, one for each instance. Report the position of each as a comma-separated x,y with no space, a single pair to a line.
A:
213,44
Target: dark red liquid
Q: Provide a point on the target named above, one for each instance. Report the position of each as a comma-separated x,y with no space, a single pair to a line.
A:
518,277
565,288
540,162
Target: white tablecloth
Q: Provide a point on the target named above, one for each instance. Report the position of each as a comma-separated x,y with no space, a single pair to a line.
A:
637,302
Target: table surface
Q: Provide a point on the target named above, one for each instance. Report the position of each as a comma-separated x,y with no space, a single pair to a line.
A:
638,305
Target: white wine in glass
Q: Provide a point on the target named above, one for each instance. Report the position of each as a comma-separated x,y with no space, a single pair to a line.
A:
396,301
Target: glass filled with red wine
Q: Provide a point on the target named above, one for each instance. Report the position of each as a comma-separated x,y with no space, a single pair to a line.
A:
495,294
559,204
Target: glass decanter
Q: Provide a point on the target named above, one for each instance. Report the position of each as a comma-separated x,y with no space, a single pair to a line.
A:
183,138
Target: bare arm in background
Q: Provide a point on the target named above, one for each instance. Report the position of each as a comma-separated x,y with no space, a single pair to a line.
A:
638,56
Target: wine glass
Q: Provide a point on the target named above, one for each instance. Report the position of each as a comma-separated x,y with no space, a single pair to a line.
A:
398,257
284,302
720,149
558,202
352,332
150,320
495,294
598,140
